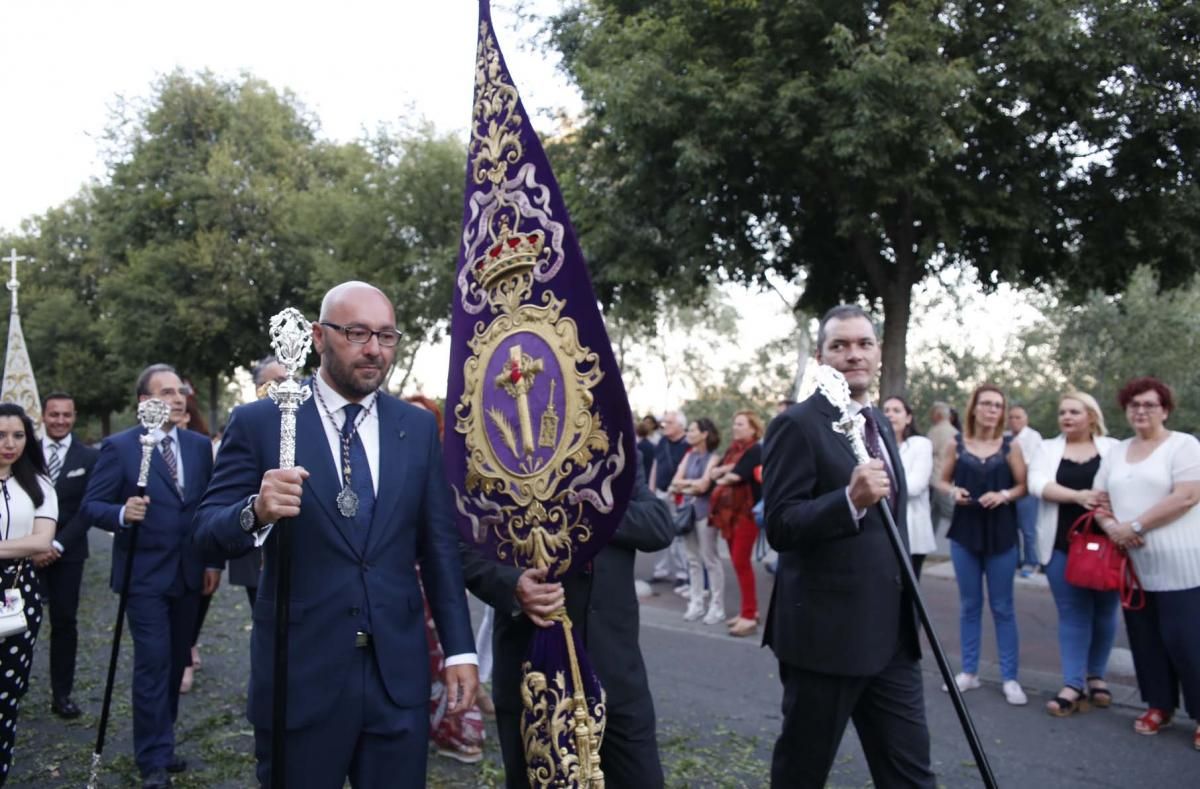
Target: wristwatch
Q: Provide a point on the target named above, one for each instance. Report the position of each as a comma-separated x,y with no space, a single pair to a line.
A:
247,518
1137,527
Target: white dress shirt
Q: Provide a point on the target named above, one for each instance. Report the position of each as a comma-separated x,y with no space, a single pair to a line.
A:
64,445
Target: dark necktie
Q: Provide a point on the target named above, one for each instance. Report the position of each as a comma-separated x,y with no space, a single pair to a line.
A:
172,465
55,464
875,450
360,469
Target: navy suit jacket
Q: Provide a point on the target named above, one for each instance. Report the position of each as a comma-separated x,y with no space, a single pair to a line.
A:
839,605
167,560
72,484
332,581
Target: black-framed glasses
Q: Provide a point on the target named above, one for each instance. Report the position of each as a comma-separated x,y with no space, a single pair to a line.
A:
361,335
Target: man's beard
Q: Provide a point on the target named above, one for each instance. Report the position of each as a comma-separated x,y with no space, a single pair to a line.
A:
342,376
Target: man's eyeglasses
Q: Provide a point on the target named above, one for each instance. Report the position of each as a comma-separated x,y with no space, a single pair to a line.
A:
361,335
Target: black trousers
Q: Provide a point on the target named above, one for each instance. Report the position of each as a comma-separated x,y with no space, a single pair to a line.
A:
888,711
628,752
61,583
1164,638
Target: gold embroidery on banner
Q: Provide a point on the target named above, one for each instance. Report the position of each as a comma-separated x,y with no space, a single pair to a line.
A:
562,730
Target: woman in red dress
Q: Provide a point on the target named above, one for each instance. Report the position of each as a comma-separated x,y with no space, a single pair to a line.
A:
731,510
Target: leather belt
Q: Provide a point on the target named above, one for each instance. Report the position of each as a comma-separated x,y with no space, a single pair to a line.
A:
362,640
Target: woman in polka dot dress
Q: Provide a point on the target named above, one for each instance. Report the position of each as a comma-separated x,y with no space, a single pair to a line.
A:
28,511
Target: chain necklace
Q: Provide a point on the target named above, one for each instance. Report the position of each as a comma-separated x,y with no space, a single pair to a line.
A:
347,499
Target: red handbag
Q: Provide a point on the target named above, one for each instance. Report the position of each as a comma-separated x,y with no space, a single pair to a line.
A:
1095,562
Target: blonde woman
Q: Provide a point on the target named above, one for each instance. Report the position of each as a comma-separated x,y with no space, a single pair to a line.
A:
1061,476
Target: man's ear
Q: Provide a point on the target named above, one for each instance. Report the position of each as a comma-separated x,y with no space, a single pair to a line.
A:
318,337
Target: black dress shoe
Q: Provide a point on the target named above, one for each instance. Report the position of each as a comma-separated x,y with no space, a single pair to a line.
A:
156,779
65,708
177,765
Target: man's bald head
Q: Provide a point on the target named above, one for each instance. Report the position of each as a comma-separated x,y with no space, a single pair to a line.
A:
355,369
339,297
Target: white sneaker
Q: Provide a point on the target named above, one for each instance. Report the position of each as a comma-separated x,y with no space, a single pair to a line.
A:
714,616
683,591
694,612
965,682
1013,693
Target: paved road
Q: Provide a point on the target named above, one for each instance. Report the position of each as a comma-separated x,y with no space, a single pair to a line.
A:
717,699
704,679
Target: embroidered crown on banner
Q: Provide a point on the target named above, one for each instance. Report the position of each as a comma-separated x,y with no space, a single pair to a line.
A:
512,255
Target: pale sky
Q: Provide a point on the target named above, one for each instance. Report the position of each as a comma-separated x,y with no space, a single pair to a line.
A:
354,64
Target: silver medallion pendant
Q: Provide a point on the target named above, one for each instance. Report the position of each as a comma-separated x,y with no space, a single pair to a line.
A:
347,502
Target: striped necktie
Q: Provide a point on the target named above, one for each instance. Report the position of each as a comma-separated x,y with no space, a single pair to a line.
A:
55,463
172,464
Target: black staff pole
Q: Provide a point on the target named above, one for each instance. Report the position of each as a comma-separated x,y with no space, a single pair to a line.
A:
291,336
960,706
153,415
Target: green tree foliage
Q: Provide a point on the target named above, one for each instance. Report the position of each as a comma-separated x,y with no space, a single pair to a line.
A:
61,309
1105,341
870,144
1095,345
197,222
223,206
392,218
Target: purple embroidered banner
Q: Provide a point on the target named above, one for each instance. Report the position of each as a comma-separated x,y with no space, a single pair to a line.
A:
539,437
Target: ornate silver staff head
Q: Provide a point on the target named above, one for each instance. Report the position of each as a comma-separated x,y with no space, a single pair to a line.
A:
832,384
291,337
153,414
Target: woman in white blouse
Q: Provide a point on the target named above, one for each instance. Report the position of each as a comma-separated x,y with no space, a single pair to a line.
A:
28,511
1062,474
1153,483
916,455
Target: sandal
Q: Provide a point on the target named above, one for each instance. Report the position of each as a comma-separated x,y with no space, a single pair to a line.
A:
1150,721
1099,696
1062,707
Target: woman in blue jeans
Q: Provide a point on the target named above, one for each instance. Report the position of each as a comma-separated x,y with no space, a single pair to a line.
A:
984,473
1061,476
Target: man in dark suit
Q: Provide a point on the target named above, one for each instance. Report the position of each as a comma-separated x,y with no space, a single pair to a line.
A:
70,462
245,570
168,570
358,666
841,623
603,608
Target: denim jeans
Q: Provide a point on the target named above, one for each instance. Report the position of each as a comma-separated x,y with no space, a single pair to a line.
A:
1087,625
970,569
1027,517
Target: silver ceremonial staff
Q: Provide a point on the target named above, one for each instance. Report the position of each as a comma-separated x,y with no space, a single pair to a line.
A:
153,414
291,337
832,384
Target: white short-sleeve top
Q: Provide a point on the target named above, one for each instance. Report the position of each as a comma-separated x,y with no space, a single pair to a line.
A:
1170,558
17,511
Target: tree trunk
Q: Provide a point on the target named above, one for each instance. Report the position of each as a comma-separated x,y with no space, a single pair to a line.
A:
106,424
897,308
